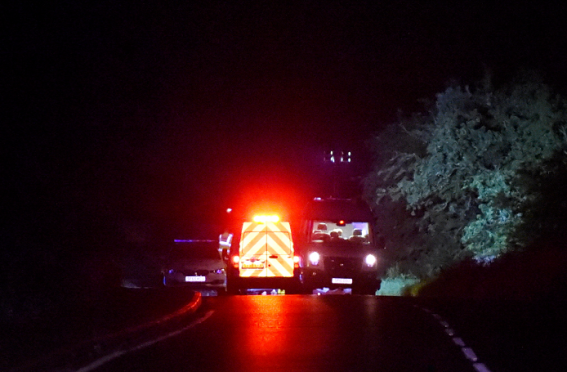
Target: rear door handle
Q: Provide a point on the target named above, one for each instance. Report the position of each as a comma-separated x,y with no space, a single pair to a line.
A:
274,256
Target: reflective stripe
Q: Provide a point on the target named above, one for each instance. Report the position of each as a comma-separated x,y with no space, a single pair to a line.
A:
279,242
280,268
259,242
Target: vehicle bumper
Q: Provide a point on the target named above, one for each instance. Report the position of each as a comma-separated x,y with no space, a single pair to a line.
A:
213,281
290,284
314,278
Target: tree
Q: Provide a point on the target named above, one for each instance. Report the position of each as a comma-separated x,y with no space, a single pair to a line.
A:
458,171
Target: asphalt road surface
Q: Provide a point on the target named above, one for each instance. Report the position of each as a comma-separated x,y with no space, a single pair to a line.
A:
302,333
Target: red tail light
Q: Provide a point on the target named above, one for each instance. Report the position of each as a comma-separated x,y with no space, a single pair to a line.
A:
296,262
235,261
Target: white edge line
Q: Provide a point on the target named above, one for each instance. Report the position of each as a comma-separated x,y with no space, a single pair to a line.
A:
469,353
480,367
459,341
107,358
191,307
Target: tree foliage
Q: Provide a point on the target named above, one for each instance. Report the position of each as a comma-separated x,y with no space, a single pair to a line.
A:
458,172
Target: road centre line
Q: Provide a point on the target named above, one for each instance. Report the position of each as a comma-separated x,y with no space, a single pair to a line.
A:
116,354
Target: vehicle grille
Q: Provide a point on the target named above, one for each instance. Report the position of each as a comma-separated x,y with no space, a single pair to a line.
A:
340,267
197,272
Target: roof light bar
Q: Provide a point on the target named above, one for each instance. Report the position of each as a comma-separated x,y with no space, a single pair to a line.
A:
266,219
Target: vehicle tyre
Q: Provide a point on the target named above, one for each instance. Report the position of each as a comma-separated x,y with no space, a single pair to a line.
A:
232,290
294,288
307,289
370,291
364,290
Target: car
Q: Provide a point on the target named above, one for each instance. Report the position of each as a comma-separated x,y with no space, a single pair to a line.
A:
197,264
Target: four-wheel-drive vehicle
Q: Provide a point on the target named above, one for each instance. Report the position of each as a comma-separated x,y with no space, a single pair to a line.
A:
263,256
338,247
196,263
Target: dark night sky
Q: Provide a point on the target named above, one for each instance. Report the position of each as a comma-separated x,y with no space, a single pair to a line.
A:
161,109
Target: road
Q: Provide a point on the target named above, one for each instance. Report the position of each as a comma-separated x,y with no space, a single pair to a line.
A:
302,333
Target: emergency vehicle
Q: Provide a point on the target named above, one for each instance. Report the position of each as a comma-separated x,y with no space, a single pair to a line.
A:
339,248
263,257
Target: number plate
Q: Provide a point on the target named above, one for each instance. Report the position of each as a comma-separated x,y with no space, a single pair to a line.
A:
257,265
195,278
341,281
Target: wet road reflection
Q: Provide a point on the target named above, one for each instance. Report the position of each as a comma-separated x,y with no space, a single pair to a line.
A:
305,333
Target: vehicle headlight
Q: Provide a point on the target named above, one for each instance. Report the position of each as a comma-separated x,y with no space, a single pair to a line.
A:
314,258
370,260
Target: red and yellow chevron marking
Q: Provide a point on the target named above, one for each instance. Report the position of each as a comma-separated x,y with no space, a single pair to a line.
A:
266,250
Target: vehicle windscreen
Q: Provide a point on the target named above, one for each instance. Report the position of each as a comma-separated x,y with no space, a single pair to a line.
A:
195,250
334,231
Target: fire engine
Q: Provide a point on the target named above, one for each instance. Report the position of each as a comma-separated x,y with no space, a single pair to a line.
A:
263,257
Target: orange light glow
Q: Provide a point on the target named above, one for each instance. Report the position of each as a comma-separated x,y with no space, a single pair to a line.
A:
296,262
266,219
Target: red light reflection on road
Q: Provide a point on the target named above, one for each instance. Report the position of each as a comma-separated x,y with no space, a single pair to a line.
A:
278,333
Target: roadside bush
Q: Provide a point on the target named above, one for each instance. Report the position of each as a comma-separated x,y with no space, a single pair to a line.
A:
535,273
395,283
467,178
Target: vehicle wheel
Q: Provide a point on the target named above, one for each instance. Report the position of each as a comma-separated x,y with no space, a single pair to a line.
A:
364,290
293,288
232,289
370,291
307,289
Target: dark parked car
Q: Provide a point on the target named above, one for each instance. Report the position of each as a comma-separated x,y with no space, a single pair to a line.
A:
197,264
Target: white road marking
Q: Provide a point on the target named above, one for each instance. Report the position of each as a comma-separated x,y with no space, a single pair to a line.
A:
469,352
107,358
480,367
459,341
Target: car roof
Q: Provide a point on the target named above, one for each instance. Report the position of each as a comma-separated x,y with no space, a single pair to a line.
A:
338,209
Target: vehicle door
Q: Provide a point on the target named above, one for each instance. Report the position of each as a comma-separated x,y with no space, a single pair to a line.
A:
266,250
